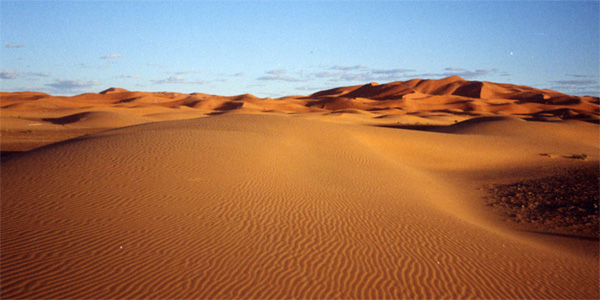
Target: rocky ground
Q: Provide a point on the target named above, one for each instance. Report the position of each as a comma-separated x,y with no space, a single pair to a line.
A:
564,203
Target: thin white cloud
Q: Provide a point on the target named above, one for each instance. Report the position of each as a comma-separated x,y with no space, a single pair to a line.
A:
239,74
575,82
454,69
451,71
8,74
280,78
277,72
348,68
255,85
391,71
38,74
361,73
10,45
279,75
310,88
177,79
128,76
184,72
31,89
111,56
579,87
583,87
172,79
580,76
156,65
11,74
328,74
358,77
68,85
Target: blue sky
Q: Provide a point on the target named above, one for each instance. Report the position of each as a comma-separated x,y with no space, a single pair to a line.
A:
276,48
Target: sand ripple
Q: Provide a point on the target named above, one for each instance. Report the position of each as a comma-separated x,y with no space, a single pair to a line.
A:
245,206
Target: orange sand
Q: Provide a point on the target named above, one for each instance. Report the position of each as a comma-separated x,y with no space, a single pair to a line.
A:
176,196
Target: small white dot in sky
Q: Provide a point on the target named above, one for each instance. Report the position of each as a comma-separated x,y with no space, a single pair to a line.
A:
511,53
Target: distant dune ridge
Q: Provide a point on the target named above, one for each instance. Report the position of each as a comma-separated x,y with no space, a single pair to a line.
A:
416,101
374,191
415,96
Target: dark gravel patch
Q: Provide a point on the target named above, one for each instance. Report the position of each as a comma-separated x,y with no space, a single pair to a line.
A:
566,202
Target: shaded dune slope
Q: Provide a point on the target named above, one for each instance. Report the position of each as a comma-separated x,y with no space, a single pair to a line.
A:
271,207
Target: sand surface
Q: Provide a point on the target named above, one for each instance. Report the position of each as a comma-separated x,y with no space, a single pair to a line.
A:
173,196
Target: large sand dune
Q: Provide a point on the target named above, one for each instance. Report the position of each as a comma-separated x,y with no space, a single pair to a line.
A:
33,119
374,191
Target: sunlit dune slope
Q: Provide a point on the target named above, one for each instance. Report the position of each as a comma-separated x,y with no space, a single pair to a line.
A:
267,206
360,192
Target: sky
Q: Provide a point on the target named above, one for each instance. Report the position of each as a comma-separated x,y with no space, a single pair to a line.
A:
279,48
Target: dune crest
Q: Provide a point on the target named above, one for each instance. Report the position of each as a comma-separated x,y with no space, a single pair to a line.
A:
113,90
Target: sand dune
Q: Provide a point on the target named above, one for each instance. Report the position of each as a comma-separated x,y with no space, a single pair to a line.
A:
445,100
491,98
373,191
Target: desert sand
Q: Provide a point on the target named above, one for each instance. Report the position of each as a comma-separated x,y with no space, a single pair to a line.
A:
363,192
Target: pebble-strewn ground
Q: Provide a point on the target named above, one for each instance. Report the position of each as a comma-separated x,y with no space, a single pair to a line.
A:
563,203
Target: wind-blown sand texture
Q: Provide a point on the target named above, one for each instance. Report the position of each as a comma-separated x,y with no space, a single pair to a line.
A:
332,195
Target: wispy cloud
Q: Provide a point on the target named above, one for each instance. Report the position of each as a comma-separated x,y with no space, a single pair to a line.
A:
10,45
328,74
31,88
348,68
581,87
183,72
178,80
310,88
362,73
8,74
276,72
157,65
580,76
473,74
128,76
239,74
280,78
279,75
38,74
68,85
111,56
11,74
575,82
455,69
349,77
358,77
391,71
467,74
